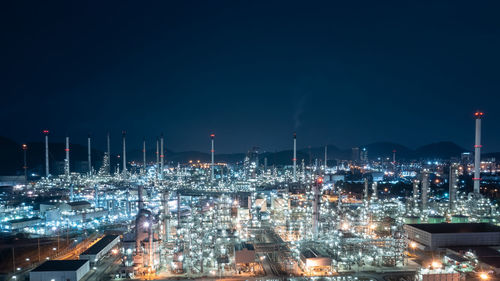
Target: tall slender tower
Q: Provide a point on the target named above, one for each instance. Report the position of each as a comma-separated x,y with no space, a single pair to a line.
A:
425,188
89,155
326,157
124,156
157,157
212,173
161,156
375,190
294,157
144,154
477,153
109,153
365,192
415,191
66,161
453,184
316,193
25,167
46,133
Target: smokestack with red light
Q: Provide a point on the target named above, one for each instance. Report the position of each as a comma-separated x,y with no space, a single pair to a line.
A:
66,161
212,175
161,156
124,169
89,155
46,133
294,157
477,152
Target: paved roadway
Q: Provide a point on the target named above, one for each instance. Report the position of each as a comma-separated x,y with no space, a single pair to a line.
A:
108,265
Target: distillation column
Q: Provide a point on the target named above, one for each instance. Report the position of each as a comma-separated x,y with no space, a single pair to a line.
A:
425,188
375,191
66,161
453,184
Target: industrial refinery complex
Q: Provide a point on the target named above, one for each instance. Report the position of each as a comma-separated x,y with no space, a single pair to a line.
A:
359,218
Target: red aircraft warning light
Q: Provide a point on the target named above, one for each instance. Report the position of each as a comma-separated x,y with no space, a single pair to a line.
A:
46,132
212,135
478,114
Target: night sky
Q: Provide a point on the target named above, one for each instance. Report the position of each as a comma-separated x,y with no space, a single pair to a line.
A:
252,72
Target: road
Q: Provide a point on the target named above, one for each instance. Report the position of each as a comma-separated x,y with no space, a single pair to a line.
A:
108,265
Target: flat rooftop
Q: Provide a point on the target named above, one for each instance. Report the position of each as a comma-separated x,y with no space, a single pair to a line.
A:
97,247
60,265
436,228
24,220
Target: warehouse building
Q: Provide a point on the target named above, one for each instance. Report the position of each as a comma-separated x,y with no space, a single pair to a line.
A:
101,248
442,235
60,270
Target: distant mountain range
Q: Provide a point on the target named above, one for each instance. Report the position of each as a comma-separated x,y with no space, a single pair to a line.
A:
11,154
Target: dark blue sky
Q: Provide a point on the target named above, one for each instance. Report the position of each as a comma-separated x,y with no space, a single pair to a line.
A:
345,73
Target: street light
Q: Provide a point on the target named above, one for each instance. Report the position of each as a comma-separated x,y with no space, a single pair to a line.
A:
484,276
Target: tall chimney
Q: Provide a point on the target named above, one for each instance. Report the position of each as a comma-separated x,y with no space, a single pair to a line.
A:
66,161
124,156
25,167
157,157
161,156
46,133
89,155
144,154
477,153
109,153
212,175
294,157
